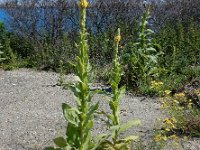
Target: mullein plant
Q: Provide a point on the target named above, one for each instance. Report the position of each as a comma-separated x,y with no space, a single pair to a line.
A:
80,118
114,118
146,54
142,60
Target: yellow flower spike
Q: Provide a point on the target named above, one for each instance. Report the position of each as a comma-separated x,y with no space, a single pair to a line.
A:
83,4
117,38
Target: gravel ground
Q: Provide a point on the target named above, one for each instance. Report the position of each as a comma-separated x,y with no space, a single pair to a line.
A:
31,115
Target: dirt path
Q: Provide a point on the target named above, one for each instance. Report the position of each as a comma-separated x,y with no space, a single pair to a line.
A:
31,115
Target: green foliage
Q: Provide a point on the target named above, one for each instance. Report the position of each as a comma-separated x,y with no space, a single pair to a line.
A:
183,115
141,62
1,58
180,46
8,54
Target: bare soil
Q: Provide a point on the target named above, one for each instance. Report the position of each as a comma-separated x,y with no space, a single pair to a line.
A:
31,114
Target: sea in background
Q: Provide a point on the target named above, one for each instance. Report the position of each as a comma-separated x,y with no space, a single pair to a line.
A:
4,17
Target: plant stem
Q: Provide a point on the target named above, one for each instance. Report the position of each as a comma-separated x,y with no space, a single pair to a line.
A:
116,77
82,73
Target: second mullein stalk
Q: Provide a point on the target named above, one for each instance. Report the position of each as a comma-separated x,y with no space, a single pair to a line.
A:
114,118
114,82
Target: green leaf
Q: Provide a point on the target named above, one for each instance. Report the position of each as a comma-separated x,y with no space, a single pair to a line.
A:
88,126
152,58
149,30
60,142
99,140
129,138
92,109
71,114
77,79
129,124
75,90
113,129
91,93
151,49
72,134
71,63
88,144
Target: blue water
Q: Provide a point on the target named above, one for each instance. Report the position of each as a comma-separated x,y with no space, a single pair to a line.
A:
4,17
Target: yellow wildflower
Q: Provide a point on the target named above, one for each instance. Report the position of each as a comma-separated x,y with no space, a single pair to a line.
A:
175,101
156,84
117,38
169,122
179,95
83,4
173,137
167,92
157,138
167,129
163,104
189,105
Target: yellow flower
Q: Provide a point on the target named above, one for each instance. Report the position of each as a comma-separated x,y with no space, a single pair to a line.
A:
173,136
169,122
117,38
197,92
167,92
179,95
163,104
83,4
156,84
189,105
157,138
175,101
167,129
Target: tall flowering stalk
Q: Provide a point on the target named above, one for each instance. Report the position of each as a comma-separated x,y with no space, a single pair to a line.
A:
114,118
79,118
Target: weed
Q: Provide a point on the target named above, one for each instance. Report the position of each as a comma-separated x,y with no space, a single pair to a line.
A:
80,118
142,62
114,119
